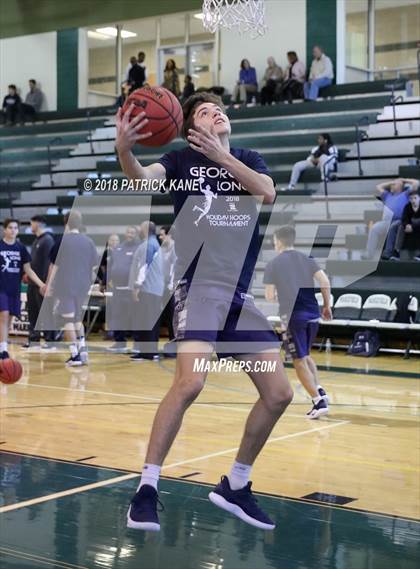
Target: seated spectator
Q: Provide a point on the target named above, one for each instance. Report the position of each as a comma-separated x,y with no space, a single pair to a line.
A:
247,82
409,230
320,75
292,86
189,88
272,77
171,78
125,91
33,101
325,154
11,106
395,196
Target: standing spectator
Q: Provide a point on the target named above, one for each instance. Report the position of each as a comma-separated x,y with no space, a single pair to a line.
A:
137,76
141,56
69,281
12,106
409,230
168,262
111,245
395,196
320,75
121,304
272,78
41,249
247,82
189,88
324,156
171,78
133,61
146,284
292,86
14,261
33,100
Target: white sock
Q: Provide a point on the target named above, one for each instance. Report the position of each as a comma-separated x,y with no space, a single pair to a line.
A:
316,400
81,342
239,475
3,346
73,350
150,476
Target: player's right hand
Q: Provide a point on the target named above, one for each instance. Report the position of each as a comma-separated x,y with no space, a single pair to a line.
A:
326,313
128,130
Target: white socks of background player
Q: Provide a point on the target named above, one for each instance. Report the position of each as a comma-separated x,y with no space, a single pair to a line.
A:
3,347
239,475
150,476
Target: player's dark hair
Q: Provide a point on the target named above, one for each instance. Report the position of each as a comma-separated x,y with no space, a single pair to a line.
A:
192,103
73,219
8,221
292,54
39,219
11,86
32,81
286,234
328,138
243,63
166,228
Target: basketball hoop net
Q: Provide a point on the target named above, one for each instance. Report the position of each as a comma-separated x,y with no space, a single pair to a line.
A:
244,15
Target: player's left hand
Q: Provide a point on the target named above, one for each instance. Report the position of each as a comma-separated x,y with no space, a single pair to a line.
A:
326,313
206,142
43,290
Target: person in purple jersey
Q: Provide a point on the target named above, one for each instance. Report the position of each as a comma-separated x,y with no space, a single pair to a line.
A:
291,275
14,261
216,209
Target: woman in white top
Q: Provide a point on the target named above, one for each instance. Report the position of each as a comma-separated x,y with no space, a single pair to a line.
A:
324,156
272,77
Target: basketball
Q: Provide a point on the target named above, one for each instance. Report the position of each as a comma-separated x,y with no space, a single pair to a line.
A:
163,110
10,371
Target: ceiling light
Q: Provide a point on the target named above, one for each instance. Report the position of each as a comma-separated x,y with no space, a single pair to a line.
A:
112,32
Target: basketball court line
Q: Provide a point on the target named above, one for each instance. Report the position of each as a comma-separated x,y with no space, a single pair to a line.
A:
86,487
211,485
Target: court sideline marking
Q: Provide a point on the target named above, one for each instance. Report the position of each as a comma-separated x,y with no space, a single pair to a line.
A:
125,477
44,560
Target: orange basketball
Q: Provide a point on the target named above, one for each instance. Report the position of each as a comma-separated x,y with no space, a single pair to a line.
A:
163,111
10,371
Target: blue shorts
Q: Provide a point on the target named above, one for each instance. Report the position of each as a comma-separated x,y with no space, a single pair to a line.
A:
70,305
300,336
233,326
10,304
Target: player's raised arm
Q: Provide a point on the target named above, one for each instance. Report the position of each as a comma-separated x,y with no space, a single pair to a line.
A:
128,133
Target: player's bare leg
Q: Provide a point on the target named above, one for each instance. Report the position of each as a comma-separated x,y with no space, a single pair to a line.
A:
233,494
306,376
5,321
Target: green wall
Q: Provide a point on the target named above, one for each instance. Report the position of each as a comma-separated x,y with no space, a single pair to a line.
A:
67,70
22,17
321,28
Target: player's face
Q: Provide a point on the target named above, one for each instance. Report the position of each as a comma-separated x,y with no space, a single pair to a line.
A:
130,233
162,236
113,241
415,200
11,231
211,117
34,226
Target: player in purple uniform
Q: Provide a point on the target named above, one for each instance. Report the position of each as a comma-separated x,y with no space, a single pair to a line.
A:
217,191
14,261
291,275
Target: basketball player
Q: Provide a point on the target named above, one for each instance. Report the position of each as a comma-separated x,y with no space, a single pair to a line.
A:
14,260
209,307
291,274
74,261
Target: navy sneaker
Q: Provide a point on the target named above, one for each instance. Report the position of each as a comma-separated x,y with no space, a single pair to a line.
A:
143,513
322,393
319,409
4,355
74,361
241,503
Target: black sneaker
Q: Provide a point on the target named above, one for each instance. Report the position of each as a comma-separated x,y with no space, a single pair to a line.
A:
319,409
74,361
143,513
4,355
241,503
395,256
144,357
